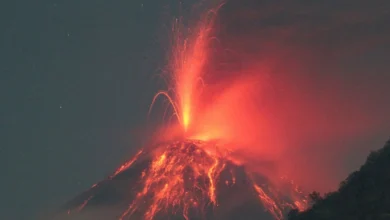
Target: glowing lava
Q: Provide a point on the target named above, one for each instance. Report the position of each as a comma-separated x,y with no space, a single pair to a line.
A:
188,58
183,176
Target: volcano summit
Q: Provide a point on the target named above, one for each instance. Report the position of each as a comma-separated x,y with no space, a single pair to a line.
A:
198,177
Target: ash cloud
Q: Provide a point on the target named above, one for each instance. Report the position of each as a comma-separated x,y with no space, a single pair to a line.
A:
328,65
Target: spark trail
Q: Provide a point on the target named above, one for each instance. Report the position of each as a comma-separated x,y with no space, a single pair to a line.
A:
183,176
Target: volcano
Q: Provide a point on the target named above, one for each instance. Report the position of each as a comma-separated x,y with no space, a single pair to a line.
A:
209,165
182,180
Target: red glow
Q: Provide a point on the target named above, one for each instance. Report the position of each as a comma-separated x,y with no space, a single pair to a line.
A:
165,180
124,166
227,113
284,112
225,120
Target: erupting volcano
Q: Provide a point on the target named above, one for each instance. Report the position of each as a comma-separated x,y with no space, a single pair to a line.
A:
187,180
201,167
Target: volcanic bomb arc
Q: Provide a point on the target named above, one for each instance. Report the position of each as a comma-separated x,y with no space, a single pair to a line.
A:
188,177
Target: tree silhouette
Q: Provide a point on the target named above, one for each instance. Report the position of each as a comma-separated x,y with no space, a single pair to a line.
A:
363,195
315,197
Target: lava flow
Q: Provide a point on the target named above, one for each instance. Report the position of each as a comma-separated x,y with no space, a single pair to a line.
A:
181,176
185,176
192,179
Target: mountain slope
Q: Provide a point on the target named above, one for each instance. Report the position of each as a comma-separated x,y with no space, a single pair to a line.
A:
110,198
365,194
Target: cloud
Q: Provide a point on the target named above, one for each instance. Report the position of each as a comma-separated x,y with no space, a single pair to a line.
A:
328,63
343,24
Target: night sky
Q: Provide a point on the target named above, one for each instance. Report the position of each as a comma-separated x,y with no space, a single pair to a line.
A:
77,80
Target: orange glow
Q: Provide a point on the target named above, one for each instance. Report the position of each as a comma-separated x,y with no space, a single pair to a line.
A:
269,203
224,122
183,176
188,59
227,113
176,170
124,166
81,206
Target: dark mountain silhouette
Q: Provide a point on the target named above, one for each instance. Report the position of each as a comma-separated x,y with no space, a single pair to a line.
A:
364,195
111,197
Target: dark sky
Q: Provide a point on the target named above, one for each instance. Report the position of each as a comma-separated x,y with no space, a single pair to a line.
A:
76,80
76,77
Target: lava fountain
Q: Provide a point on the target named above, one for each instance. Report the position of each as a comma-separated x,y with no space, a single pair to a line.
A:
218,128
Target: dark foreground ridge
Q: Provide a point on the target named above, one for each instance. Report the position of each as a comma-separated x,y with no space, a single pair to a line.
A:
364,195
110,198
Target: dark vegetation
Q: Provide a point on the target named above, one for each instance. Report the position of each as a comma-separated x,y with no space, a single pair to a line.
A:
364,195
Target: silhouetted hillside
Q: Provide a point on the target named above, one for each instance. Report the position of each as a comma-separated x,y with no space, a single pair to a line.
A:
364,195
